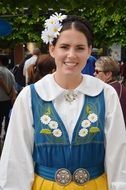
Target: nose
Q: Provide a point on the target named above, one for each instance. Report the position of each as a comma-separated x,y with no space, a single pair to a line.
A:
71,53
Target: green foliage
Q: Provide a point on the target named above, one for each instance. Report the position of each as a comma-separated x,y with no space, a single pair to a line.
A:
108,18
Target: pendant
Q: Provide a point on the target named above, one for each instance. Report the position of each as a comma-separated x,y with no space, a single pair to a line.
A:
70,96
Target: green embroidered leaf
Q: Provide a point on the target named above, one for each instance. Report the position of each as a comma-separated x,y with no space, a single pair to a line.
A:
94,130
88,109
46,131
48,112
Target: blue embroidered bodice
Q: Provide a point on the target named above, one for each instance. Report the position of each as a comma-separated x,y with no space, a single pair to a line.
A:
52,147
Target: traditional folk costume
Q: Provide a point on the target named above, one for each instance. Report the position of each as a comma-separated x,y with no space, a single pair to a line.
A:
64,139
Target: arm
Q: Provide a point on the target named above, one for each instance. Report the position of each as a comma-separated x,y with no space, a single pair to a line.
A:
10,91
4,86
16,165
115,132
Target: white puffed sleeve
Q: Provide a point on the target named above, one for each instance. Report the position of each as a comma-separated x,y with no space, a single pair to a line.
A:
115,133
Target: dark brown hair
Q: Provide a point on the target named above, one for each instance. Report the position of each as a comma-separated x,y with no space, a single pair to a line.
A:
79,24
45,64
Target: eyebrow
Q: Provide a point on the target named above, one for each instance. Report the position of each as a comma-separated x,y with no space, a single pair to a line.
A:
78,45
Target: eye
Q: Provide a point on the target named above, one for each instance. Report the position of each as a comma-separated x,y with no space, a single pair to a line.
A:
64,47
80,48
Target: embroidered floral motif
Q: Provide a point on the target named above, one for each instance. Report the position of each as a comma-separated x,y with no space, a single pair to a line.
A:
52,126
57,132
46,131
45,119
83,132
86,124
93,117
94,130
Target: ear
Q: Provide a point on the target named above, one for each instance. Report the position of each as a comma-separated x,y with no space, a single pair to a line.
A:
51,50
109,73
108,76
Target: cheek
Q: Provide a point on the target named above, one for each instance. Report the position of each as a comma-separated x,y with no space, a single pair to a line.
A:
103,77
100,76
83,59
84,56
59,55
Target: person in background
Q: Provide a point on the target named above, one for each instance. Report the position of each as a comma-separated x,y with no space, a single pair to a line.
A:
7,93
108,70
18,73
89,68
30,61
123,71
45,64
7,90
66,130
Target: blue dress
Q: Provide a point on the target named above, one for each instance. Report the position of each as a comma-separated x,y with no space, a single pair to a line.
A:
52,148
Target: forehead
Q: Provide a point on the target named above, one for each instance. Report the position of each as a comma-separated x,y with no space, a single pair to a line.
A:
72,36
98,67
98,64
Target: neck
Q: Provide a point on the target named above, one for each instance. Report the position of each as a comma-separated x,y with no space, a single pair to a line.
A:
68,82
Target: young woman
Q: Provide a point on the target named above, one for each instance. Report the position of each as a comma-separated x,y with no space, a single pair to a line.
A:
67,130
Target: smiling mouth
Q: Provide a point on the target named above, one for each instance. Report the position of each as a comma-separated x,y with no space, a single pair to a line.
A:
70,64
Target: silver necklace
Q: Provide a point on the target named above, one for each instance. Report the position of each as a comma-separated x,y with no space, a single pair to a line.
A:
70,96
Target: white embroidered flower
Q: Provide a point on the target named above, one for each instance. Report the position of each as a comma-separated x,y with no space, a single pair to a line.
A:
53,26
57,132
85,123
53,124
93,117
83,132
45,119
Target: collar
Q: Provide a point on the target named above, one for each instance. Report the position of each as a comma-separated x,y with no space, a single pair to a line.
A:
49,90
112,81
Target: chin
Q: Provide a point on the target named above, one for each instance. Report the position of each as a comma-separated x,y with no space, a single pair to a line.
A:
70,74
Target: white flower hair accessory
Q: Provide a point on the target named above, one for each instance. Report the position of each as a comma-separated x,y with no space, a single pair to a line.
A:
53,26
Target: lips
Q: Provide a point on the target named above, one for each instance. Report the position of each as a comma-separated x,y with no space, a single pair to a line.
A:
70,64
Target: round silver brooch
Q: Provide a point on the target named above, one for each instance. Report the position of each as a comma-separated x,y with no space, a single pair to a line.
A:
81,176
63,176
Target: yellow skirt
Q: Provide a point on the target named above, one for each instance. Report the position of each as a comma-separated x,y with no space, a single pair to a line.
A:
99,183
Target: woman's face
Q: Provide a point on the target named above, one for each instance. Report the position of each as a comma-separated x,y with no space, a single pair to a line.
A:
101,74
70,52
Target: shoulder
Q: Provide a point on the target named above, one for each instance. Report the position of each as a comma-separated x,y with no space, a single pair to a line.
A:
47,88
32,59
91,59
93,86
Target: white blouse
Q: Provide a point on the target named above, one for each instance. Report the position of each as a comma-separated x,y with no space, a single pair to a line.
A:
16,164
